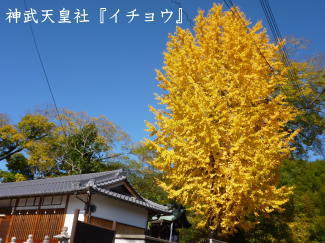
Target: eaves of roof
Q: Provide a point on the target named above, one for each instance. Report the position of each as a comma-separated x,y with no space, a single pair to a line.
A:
77,184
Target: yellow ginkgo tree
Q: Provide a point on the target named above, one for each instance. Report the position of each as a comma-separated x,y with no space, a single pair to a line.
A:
220,136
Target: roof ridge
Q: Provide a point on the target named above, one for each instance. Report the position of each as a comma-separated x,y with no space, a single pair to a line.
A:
144,202
108,181
51,179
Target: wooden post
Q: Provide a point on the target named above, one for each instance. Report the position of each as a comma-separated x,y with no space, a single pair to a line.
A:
114,229
74,225
89,209
114,226
11,219
87,213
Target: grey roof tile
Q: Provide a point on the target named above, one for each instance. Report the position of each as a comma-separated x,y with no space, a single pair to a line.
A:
69,184
140,202
61,184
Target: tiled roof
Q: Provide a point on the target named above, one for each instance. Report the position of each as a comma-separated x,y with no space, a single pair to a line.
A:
74,183
140,202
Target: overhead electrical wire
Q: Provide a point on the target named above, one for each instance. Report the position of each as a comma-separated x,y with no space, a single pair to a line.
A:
234,11
44,70
229,4
231,7
275,30
278,37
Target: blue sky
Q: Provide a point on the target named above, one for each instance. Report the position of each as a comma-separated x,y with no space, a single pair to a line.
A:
108,69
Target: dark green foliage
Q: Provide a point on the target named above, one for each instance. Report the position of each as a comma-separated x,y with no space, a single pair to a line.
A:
82,152
307,94
309,181
19,164
18,169
144,177
304,217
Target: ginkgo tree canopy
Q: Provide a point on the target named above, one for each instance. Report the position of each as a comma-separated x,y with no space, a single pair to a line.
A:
220,136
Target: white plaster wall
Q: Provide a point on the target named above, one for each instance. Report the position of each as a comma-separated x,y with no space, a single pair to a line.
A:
128,241
116,210
74,203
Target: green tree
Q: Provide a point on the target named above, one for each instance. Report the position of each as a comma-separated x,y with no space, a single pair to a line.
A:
305,90
304,217
16,138
88,144
73,143
18,169
143,176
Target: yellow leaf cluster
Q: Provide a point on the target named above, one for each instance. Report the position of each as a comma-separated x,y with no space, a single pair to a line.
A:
9,134
220,138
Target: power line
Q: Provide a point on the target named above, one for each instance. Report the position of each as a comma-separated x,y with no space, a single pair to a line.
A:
44,70
275,31
230,5
284,53
277,35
